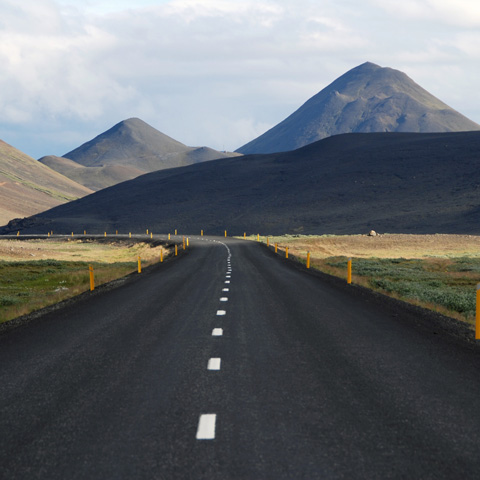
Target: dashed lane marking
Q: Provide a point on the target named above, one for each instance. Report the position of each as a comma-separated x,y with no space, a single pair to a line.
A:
227,281
225,289
221,312
206,426
214,364
224,299
217,332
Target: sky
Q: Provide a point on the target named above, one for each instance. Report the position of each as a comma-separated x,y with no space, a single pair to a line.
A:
214,73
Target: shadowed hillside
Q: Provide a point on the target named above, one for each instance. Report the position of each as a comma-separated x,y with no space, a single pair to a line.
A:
410,183
28,187
367,99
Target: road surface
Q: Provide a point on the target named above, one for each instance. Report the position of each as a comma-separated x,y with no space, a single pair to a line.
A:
232,363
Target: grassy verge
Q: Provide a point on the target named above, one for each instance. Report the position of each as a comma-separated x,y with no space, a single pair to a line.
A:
28,285
438,272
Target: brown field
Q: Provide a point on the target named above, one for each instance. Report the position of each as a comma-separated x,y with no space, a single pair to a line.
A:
77,250
381,246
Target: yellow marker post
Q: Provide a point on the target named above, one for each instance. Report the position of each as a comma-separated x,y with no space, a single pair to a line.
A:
349,271
268,242
72,234
176,250
201,233
188,243
105,233
477,318
48,234
225,234
161,256
129,234
308,259
151,235
18,233
147,231
139,265
276,247
116,232
286,252
184,243
244,235
175,232
92,278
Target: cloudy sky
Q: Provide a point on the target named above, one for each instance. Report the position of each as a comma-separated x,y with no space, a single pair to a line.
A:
214,72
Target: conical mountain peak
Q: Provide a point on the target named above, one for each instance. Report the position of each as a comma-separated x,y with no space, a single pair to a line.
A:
367,98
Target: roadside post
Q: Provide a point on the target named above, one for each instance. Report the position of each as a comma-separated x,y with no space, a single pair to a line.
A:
176,250
139,264
308,259
92,278
477,317
349,271
276,247
161,255
286,252
225,234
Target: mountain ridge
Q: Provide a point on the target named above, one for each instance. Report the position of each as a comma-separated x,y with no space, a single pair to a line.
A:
344,184
130,148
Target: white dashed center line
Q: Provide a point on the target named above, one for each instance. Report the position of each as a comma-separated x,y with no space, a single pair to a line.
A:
225,289
206,426
227,281
214,364
221,312
224,299
217,332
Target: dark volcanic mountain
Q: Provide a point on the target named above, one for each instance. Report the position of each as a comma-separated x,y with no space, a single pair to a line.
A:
351,183
132,147
366,99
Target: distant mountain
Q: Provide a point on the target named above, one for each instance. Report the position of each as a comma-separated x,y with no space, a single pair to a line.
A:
28,187
366,99
133,147
94,178
351,183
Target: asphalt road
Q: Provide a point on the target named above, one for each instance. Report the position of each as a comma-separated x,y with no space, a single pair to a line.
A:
309,379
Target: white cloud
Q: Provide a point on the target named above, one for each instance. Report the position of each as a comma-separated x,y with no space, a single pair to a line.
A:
211,72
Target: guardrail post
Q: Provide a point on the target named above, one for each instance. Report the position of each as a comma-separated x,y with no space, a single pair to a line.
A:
477,318
92,278
308,259
349,271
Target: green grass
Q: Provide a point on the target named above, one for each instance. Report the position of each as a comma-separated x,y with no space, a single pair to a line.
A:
26,286
447,285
